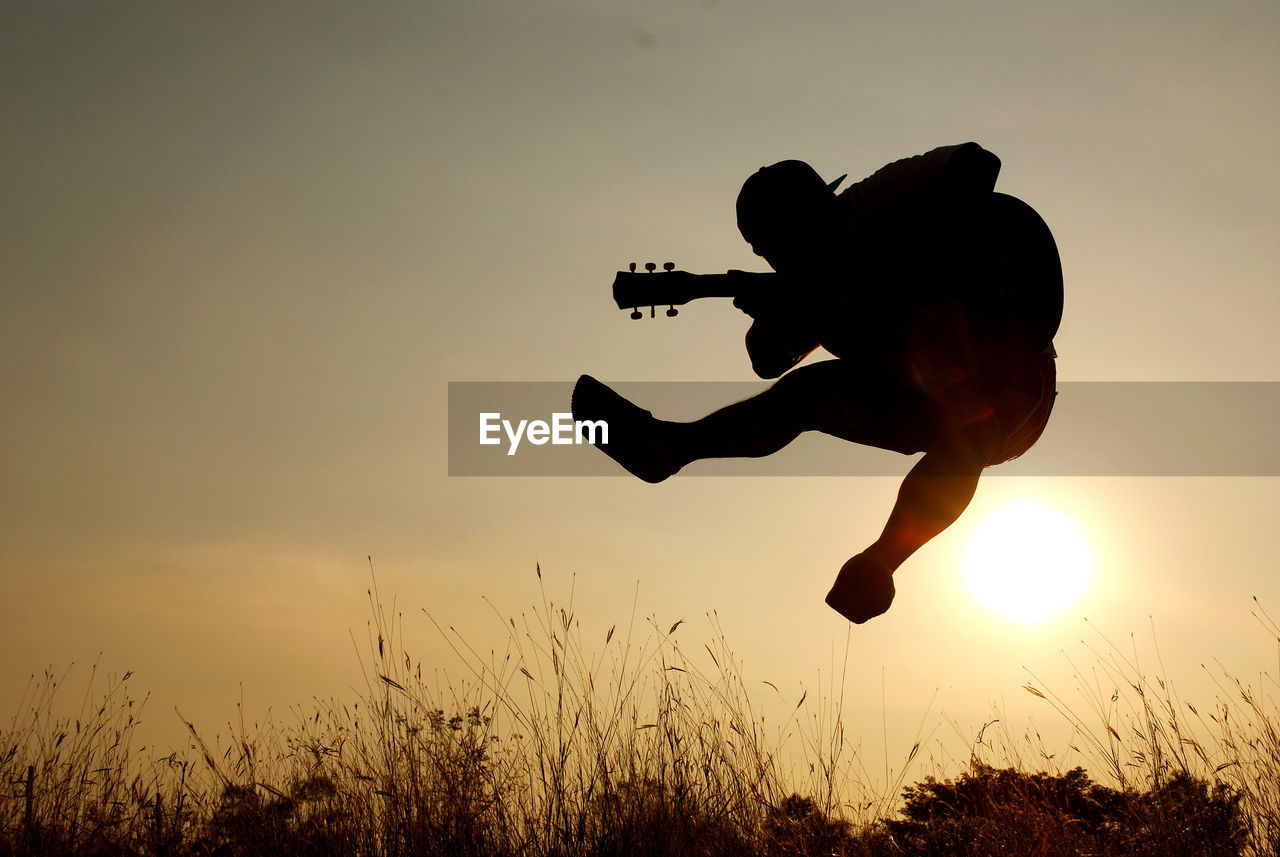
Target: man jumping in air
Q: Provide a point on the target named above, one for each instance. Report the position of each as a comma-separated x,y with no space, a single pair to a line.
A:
939,299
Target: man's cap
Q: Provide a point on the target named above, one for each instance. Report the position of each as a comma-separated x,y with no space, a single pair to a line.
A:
780,189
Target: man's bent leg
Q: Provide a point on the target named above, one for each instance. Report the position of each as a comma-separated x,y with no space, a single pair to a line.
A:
931,498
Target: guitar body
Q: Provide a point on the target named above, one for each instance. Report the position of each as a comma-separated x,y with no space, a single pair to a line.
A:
1028,278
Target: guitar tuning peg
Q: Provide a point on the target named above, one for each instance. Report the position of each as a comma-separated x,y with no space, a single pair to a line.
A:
633,267
668,266
636,314
650,267
672,312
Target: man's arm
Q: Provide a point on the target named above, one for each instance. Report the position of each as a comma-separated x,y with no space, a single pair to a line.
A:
778,338
775,346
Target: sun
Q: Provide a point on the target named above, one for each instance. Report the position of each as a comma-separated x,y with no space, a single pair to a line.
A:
1027,562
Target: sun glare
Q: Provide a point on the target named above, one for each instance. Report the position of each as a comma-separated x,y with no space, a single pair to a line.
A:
1026,562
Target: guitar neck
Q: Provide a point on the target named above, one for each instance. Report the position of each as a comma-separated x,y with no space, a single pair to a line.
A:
731,284
672,288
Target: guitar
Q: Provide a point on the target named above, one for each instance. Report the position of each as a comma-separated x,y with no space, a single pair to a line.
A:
674,288
1023,273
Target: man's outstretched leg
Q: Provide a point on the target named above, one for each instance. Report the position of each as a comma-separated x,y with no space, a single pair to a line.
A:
931,498
852,403
654,449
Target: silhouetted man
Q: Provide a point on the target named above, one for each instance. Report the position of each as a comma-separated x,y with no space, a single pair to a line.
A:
939,299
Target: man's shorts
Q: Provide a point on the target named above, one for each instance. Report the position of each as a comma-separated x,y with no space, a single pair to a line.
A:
1033,410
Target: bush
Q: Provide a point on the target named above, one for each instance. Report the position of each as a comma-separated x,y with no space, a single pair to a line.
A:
990,811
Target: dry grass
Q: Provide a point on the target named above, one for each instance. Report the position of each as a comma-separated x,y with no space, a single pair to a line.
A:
627,744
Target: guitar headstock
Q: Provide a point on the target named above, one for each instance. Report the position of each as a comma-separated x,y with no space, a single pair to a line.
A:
632,290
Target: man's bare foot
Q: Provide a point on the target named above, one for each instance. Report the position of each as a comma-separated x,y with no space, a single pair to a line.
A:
632,430
863,589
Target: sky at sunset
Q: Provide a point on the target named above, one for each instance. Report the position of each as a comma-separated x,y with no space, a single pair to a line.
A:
245,248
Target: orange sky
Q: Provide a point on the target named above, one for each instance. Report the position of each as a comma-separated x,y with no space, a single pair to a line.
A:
245,251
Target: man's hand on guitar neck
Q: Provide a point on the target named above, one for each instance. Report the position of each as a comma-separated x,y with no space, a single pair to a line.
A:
774,298
775,346
753,304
